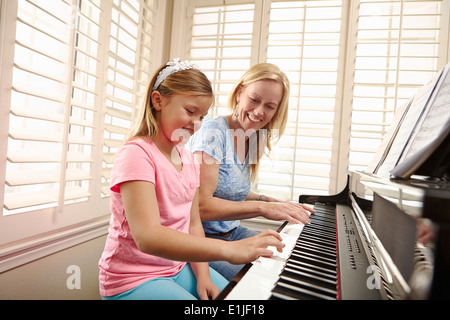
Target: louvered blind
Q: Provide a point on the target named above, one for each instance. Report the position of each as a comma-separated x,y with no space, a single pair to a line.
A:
350,63
129,71
80,73
52,103
399,48
304,41
221,45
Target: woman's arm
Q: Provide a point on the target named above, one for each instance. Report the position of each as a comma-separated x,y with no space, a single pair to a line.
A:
141,209
213,208
216,209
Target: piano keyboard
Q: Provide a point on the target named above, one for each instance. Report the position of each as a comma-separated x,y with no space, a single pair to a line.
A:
310,271
313,262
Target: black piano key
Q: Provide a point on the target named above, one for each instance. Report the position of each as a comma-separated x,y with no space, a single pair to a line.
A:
311,272
313,260
318,257
302,290
325,234
286,292
312,269
317,251
291,292
321,228
321,235
314,240
322,283
330,249
322,219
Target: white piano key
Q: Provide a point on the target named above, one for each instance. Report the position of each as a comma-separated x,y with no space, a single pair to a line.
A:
260,279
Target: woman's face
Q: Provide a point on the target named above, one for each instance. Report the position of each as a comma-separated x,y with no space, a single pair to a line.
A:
258,102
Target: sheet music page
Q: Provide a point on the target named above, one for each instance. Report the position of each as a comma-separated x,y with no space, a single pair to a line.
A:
434,121
388,139
430,132
410,121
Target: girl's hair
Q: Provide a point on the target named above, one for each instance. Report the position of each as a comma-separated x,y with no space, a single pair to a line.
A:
264,71
187,82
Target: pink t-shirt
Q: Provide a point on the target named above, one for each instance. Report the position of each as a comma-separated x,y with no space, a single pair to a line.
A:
122,265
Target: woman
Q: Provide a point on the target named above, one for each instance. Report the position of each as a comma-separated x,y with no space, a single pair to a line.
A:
229,149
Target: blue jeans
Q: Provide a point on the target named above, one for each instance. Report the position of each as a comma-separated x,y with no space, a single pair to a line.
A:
182,286
225,268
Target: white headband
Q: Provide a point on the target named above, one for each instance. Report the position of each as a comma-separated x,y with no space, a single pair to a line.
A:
172,67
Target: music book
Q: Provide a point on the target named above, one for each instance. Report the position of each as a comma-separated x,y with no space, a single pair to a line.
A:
419,129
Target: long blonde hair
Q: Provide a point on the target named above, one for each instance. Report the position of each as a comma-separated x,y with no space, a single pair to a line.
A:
187,82
257,72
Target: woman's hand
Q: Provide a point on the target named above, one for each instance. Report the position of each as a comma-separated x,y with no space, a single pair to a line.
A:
285,210
249,249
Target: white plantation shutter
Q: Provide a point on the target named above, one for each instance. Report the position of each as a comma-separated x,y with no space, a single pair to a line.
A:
128,72
350,63
304,41
221,40
399,47
52,104
74,73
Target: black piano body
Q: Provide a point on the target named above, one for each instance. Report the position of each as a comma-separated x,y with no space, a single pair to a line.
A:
374,239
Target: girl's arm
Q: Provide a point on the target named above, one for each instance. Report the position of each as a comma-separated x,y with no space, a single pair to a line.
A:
205,287
141,209
216,209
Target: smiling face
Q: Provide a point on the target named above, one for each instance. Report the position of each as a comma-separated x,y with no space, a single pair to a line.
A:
258,103
179,115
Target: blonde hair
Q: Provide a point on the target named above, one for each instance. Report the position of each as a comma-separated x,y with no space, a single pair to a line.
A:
187,82
258,72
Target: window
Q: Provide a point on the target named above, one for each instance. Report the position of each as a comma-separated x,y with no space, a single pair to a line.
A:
400,45
79,72
350,63
304,41
221,44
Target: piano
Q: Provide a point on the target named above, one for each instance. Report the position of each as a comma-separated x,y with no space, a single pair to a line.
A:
359,247
386,235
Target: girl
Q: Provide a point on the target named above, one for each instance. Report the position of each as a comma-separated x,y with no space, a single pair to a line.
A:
155,225
229,149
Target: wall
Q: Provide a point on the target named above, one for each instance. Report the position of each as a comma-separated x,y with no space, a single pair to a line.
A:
46,278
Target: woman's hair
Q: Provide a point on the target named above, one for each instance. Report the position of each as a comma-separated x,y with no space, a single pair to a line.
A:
264,71
188,82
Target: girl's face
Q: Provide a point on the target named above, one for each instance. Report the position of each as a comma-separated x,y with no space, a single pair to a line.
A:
180,115
258,102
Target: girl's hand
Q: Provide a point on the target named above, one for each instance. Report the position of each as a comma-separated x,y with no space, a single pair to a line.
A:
206,289
250,249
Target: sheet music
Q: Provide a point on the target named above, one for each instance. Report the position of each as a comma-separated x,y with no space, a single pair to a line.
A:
430,126
430,132
407,136
386,144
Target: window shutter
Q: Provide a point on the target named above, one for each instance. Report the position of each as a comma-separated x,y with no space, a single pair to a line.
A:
52,104
129,70
58,96
350,63
304,41
399,47
221,45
